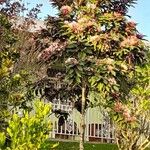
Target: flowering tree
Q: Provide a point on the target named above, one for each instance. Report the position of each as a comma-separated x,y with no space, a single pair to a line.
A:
99,49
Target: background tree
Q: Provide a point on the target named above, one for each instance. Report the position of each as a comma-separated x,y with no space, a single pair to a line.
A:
98,48
131,119
8,56
15,85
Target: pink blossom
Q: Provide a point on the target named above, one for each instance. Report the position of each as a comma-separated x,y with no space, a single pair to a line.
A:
54,48
90,23
130,41
65,10
83,20
126,114
133,118
133,40
130,118
124,43
86,22
75,27
118,107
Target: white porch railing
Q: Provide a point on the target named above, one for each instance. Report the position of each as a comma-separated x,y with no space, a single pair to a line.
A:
100,130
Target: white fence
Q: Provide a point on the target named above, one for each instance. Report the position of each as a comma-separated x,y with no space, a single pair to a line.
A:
98,126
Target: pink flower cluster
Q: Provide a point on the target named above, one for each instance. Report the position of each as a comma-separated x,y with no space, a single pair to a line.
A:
75,27
119,108
81,24
127,116
65,10
54,48
86,22
130,41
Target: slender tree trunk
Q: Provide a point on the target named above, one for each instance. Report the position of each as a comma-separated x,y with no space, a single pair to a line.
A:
82,128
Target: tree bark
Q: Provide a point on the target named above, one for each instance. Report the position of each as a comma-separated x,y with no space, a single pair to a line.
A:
82,128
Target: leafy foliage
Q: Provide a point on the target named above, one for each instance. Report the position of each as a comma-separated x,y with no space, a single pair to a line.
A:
60,3
31,130
102,52
15,88
133,117
8,56
102,46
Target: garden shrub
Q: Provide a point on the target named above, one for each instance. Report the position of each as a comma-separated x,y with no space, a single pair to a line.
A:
29,131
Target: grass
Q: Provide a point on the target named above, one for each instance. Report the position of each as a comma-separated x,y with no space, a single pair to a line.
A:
88,146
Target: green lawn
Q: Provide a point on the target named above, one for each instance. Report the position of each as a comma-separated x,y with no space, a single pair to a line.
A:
88,146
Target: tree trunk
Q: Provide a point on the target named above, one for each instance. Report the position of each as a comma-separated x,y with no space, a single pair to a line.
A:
82,128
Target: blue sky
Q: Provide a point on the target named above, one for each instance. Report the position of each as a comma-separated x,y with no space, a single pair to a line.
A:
140,13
